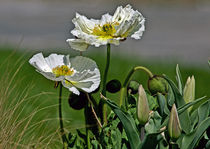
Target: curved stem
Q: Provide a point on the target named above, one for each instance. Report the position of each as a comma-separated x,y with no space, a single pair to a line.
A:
63,136
122,92
104,108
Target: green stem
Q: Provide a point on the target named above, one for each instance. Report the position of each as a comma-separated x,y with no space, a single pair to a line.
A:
142,133
104,108
87,129
63,136
122,92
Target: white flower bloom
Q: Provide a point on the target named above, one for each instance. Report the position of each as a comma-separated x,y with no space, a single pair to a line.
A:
110,29
79,72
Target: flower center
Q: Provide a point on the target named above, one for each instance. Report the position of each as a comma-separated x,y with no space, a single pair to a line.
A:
62,71
106,31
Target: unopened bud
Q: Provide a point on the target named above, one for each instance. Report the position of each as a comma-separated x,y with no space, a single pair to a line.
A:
189,90
77,102
142,107
113,86
174,127
133,86
157,84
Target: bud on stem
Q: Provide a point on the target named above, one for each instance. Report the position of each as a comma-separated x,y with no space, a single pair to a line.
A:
189,90
157,84
142,107
174,127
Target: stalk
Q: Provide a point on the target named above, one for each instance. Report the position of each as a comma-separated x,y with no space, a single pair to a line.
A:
104,108
63,135
87,129
122,92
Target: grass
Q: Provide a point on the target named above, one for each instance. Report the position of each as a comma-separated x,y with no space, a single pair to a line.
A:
28,101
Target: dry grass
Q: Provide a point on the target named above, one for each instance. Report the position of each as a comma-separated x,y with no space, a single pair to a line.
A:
19,127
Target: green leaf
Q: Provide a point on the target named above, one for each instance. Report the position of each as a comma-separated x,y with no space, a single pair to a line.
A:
128,124
190,141
203,111
179,79
154,123
150,141
183,108
161,101
170,97
196,106
184,117
186,106
152,102
194,119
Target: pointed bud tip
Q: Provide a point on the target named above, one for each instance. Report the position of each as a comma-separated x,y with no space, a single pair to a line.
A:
174,127
142,106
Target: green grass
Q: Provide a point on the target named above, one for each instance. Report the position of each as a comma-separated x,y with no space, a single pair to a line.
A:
28,82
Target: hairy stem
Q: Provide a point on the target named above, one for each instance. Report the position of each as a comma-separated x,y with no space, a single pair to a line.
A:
122,92
104,108
63,135
87,127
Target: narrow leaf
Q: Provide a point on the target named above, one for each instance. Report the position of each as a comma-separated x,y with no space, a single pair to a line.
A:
183,109
161,102
190,141
184,117
128,124
179,79
203,111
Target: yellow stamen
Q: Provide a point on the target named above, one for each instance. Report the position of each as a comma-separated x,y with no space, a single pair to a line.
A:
106,31
62,71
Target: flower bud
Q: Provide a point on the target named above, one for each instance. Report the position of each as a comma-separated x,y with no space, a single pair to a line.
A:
174,127
133,86
77,102
142,107
157,84
189,90
113,86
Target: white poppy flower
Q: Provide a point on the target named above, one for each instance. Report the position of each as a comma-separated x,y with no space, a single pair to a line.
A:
79,72
110,29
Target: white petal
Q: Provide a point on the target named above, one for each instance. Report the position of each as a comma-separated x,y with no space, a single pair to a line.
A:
70,87
131,23
39,63
139,33
83,24
87,76
106,18
78,44
45,65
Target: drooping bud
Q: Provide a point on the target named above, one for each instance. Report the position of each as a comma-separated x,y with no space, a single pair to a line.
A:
133,86
142,106
189,90
174,127
113,86
157,84
77,102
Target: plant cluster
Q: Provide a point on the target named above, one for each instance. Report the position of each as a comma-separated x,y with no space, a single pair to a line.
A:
165,116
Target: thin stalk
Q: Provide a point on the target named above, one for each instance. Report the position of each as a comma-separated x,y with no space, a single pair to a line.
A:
104,108
87,129
63,135
122,92
142,133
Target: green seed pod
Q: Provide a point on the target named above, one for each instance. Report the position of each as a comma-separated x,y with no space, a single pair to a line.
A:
113,86
142,106
157,84
77,102
133,86
174,127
